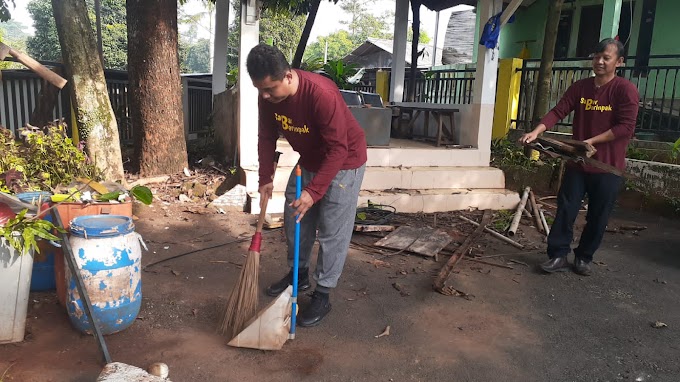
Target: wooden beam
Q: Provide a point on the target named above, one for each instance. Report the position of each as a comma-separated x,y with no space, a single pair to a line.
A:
34,65
509,11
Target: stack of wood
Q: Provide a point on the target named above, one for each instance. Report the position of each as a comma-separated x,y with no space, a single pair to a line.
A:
573,150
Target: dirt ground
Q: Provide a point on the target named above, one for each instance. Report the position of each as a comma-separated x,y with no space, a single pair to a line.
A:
516,325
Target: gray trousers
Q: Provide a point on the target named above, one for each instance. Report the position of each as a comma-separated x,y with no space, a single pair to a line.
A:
333,216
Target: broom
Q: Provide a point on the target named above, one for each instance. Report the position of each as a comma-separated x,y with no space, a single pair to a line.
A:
244,299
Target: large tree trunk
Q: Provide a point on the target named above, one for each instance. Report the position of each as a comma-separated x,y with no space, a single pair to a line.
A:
96,122
297,59
155,86
411,93
542,101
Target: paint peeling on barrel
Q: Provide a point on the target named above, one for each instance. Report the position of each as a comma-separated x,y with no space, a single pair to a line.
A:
110,268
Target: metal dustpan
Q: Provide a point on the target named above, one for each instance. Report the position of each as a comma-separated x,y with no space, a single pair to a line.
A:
270,328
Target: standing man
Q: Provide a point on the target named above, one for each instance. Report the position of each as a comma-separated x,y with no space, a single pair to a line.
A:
605,112
310,112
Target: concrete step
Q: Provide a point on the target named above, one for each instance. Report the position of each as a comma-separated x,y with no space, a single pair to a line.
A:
417,178
404,153
413,201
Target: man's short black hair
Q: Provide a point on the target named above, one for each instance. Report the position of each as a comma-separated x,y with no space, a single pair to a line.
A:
602,46
266,61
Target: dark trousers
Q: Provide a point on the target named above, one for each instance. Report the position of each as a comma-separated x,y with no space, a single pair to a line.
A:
602,190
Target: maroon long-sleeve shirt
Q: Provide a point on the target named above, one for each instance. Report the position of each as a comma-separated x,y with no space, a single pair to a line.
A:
318,124
612,106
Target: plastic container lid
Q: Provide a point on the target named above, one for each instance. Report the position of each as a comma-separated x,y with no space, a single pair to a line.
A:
33,197
95,226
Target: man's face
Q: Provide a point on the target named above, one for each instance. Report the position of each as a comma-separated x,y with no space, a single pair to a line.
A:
274,91
605,63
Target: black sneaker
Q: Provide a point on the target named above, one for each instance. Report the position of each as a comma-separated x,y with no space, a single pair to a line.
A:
281,285
318,308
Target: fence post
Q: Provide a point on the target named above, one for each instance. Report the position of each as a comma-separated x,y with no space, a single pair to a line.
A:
382,84
507,96
185,104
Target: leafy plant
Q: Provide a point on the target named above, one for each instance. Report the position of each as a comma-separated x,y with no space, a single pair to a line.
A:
43,159
340,73
675,150
22,233
507,153
634,152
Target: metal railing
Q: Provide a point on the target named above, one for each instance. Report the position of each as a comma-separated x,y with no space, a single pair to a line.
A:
20,89
658,86
450,86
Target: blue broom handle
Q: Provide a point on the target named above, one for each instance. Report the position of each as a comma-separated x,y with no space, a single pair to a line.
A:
296,257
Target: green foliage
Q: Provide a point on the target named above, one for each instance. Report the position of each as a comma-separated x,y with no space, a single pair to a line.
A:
4,9
22,233
507,153
142,193
198,57
502,220
283,29
340,44
44,159
12,33
44,45
634,152
340,72
675,150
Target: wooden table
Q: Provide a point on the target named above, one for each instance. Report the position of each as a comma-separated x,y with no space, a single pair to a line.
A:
445,132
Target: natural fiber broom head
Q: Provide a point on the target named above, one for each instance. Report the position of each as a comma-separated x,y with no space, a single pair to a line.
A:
244,298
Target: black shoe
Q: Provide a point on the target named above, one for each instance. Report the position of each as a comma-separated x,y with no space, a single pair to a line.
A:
557,264
582,267
281,285
317,309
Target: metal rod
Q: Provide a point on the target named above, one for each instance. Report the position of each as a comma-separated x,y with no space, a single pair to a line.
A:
518,213
87,304
494,233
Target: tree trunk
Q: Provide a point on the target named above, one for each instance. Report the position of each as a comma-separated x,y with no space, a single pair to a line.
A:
542,101
415,9
96,122
156,88
47,99
297,59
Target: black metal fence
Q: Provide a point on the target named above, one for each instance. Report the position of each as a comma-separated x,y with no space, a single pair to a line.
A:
448,86
658,85
19,91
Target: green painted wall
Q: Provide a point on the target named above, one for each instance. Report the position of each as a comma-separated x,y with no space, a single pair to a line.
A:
664,38
529,25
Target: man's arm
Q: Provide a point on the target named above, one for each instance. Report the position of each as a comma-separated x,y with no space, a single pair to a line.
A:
566,105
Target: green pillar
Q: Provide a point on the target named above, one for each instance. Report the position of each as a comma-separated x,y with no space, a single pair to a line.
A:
478,28
611,14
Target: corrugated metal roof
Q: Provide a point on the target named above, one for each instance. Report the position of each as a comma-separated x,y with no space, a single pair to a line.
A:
376,45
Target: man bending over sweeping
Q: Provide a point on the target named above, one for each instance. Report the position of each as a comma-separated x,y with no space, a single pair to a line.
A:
310,112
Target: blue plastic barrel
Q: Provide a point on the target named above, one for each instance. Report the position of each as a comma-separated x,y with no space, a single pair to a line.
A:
42,277
107,250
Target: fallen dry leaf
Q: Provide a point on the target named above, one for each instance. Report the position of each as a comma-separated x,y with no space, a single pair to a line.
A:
601,263
659,325
401,289
194,312
385,332
379,263
174,272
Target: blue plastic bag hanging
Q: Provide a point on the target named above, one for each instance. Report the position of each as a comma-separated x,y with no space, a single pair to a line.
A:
492,31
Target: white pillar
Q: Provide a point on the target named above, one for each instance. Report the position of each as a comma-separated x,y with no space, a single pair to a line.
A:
399,51
247,116
219,59
478,133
